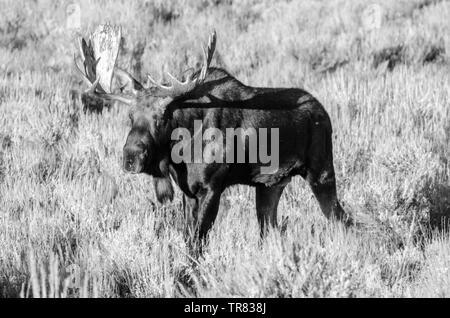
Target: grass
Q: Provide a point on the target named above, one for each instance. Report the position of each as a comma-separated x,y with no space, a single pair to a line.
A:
73,224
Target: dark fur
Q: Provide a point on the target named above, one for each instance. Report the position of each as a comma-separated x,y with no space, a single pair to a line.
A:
224,102
163,189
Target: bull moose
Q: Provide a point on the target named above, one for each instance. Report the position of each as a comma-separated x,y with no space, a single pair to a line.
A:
217,100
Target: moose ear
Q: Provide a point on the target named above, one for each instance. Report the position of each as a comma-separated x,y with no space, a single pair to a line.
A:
164,189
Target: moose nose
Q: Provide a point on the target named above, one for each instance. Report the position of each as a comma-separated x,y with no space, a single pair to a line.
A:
128,159
133,159
128,164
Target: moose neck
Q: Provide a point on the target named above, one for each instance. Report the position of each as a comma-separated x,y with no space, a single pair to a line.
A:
220,90
157,166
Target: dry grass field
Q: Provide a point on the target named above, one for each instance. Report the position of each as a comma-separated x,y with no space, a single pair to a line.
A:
73,224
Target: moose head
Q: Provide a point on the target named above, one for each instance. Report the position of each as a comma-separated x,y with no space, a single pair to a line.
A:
97,65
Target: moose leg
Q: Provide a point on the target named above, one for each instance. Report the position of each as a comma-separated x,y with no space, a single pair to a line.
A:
207,212
267,199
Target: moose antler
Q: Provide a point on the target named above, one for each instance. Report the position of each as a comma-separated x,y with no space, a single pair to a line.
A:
179,88
99,55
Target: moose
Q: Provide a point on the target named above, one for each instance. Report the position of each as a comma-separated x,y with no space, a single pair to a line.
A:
217,100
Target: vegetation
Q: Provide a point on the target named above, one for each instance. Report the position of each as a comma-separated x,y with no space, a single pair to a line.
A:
73,224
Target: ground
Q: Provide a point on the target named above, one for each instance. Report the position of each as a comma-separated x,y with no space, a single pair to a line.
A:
73,224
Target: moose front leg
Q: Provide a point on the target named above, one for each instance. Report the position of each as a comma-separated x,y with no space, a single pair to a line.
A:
207,212
267,199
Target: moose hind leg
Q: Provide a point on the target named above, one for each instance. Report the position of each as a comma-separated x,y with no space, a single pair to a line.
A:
267,199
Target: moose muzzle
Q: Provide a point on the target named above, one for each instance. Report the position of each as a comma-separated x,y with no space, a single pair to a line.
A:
134,159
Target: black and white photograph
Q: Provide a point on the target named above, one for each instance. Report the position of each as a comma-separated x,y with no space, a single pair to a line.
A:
227,151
